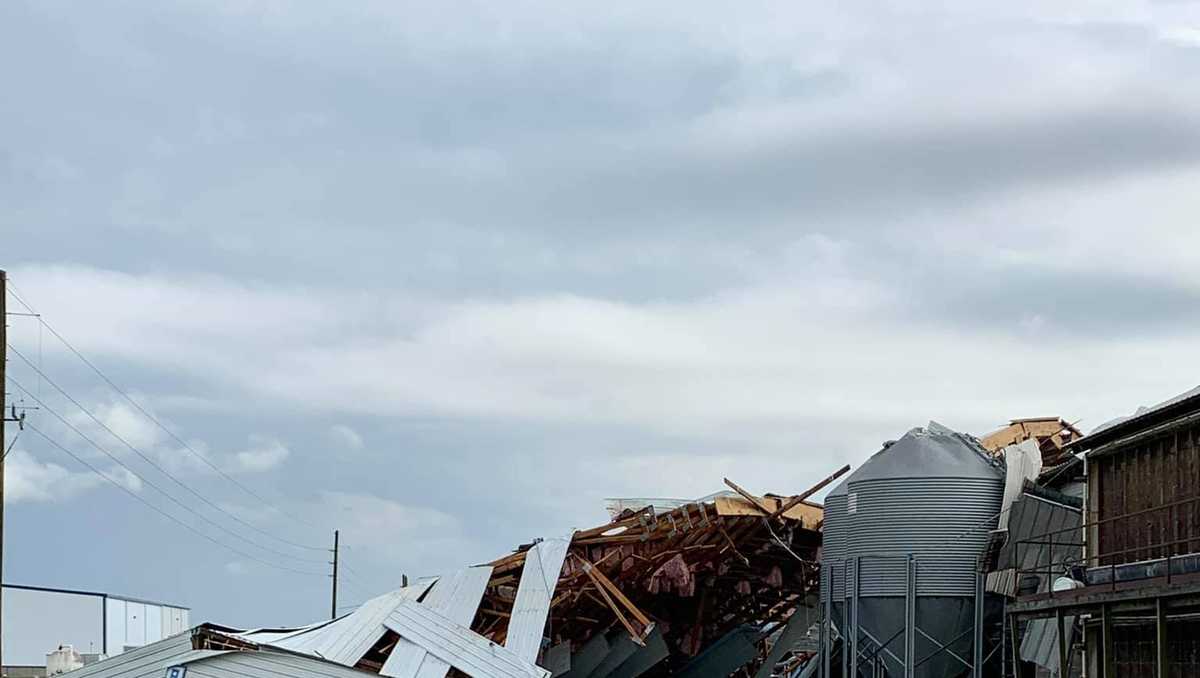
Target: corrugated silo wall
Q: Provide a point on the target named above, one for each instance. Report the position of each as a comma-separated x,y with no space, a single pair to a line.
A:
942,522
833,548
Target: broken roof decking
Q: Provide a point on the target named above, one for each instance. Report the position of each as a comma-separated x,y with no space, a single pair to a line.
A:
346,639
639,596
698,570
539,579
456,597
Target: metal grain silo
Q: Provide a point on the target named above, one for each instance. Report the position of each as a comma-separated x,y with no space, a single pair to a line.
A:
918,514
833,554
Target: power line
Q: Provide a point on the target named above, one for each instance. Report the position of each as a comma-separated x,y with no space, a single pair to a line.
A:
150,461
43,323
120,463
160,511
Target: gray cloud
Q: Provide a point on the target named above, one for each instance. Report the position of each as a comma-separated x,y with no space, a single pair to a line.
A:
572,246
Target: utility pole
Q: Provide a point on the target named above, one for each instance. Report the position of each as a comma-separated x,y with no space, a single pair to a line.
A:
333,604
3,447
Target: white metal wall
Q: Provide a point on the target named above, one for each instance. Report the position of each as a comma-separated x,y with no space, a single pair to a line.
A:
36,622
133,624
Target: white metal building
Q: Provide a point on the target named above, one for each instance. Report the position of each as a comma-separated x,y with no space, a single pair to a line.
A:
37,620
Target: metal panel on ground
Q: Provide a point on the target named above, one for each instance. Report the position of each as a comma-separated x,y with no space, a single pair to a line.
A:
621,648
457,598
557,659
795,630
347,639
588,657
458,645
733,651
539,578
644,658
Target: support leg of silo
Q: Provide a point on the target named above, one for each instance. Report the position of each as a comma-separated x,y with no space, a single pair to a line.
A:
853,614
910,619
1063,645
977,643
1014,629
827,629
846,598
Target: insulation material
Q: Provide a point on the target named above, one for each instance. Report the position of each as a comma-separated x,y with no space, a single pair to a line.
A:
1024,463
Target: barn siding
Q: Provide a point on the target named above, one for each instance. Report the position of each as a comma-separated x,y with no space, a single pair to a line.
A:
1146,474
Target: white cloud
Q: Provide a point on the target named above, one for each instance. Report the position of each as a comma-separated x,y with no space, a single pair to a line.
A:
28,480
818,341
264,454
346,437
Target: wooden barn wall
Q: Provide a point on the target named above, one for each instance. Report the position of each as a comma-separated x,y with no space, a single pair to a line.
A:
1135,650
1147,474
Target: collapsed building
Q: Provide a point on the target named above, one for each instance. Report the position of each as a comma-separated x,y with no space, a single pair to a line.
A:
1034,551
710,587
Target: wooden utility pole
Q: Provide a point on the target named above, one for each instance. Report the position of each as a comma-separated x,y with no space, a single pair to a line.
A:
3,447
333,604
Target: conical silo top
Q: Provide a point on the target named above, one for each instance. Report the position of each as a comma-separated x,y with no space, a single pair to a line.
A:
931,452
839,490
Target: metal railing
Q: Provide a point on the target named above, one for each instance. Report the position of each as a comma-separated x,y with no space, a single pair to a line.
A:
1163,550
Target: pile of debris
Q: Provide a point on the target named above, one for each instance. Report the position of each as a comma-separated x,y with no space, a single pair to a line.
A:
707,588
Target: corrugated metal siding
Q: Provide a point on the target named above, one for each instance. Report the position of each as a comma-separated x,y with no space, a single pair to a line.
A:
151,660
539,578
943,522
268,664
1029,519
644,658
459,646
456,597
833,545
347,639
588,657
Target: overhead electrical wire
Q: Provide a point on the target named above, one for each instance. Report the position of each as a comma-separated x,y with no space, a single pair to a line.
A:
140,477
160,511
147,459
183,443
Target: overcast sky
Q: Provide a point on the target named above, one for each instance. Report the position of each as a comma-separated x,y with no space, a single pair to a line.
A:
444,275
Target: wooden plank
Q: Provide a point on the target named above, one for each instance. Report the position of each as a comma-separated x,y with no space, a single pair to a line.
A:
795,501
758,503
807,514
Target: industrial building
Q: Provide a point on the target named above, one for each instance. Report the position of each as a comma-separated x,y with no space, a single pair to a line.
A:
1135,611
37,620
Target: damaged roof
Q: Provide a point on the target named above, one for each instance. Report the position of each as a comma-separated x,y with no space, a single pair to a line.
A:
642,595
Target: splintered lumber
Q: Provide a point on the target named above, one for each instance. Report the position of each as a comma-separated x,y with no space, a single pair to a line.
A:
749,497
794,501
